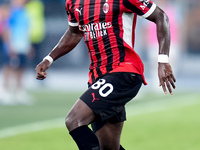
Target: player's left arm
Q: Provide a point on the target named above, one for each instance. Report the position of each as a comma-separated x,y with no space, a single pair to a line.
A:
165,73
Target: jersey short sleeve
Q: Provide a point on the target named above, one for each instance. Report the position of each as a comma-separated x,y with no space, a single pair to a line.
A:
143,8
71,18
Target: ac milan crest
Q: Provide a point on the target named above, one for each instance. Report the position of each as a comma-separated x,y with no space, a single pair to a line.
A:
105,7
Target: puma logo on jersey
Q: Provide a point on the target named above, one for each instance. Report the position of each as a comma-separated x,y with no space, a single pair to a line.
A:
79,11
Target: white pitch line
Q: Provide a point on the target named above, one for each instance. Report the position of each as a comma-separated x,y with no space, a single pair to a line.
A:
32,127
132,110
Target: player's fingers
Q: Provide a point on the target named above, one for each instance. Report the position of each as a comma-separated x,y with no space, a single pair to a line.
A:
38,68
41,68
41,75
172,76
168,87
171,82
40,78
162,83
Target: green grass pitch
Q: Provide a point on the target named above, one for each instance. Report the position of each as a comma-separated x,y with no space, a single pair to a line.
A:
154,122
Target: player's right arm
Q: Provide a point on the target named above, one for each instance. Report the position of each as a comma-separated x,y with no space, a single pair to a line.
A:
67,42
147,9
165,73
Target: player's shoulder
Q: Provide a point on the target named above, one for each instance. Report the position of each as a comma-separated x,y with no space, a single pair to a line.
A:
68,2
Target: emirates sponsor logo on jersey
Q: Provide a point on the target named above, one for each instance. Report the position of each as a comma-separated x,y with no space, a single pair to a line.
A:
95,30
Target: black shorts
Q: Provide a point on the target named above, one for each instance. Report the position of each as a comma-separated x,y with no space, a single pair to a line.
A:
109,94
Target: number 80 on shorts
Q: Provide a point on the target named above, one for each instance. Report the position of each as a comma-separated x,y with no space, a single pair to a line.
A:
104,88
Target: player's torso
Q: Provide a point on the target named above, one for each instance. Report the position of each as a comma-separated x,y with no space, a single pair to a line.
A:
108,28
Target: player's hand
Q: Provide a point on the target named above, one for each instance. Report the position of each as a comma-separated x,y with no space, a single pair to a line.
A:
166,77
41,69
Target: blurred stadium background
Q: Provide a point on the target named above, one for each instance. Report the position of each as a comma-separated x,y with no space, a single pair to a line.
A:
157,121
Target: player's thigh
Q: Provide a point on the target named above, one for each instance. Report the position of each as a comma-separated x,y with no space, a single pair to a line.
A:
79,115
109,136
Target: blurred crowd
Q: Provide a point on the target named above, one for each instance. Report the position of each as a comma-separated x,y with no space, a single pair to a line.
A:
30,28
21,33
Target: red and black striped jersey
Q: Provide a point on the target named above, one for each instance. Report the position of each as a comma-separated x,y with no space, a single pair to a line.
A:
108,27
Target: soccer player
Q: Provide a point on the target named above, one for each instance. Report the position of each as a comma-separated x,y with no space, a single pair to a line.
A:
116,71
